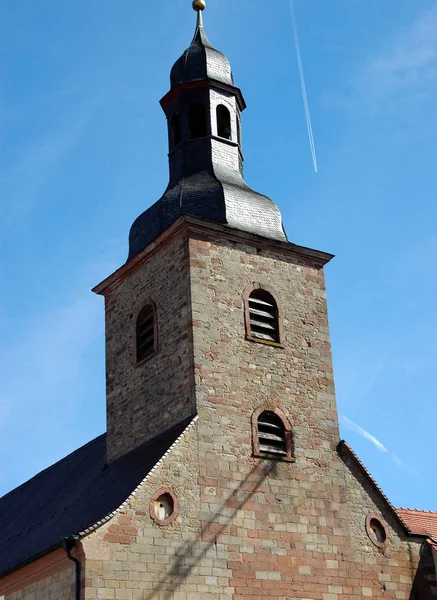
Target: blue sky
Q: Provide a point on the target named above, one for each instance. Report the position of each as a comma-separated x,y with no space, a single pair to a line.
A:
83,152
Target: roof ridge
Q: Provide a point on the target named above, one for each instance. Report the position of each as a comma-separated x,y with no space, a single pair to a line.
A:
419,510
52,466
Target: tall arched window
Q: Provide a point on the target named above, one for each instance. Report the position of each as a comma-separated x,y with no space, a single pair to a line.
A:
271,433
146,332
224,122
175,130
197,121
262,317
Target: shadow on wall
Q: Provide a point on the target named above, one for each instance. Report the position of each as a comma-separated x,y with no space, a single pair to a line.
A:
425,583
189,554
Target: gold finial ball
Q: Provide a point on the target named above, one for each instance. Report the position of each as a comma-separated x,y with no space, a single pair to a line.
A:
199,5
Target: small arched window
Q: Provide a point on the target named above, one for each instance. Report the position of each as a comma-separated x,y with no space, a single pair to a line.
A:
175,130
224,122
271,434
146,334
197,121
262,317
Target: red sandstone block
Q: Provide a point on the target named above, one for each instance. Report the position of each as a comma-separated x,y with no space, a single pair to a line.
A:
252,533
243,575
129,530
116,529
125,539
112,538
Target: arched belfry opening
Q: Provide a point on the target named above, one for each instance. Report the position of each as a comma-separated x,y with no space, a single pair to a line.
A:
262,317
175,130
271,434
146,332
197,121
224,129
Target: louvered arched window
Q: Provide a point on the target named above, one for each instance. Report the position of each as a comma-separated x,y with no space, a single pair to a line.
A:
271,434
262,317
145,332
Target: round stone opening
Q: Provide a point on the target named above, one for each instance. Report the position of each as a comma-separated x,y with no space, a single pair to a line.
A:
163,507
377,531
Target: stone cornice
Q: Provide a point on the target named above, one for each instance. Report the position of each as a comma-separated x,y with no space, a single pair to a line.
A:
194,227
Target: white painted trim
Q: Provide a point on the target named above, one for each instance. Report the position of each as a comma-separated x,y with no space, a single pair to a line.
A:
101,522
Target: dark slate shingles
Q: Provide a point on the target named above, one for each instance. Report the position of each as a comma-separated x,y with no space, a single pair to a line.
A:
71,496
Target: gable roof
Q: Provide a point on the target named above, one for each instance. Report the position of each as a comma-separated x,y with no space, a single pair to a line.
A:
421,522
415,522
344,448
71,496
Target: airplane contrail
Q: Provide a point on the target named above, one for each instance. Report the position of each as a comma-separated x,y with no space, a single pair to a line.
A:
304,90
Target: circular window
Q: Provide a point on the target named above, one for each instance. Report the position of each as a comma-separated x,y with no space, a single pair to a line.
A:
164,507
376,531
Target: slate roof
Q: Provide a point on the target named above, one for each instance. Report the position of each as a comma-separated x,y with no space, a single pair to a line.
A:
71,496
201,61
206,173
220,197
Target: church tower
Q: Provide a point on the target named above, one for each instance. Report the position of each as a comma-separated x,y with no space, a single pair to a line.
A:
215,313
221,476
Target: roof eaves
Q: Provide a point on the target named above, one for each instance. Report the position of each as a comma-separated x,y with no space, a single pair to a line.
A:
424,521
344,446
112,514
28,561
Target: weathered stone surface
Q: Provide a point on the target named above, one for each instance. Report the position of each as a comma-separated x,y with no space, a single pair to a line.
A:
144,399
247,527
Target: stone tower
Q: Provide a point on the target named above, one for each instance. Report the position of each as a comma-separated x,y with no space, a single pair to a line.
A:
193,255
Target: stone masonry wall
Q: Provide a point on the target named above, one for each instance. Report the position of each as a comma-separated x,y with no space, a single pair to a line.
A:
144,399
51,577
405,564
59,586
133,558
289,528
251,528
243,545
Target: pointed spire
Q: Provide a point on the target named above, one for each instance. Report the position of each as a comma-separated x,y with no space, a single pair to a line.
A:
201,60
199,34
